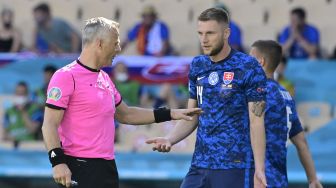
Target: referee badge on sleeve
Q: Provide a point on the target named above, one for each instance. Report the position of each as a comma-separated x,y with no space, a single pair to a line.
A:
54,93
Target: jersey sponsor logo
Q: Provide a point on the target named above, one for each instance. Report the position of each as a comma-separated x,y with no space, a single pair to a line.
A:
54,93
226,91
228,77
213,78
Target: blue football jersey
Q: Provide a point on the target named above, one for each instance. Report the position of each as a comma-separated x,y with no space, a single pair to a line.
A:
223,90
281,122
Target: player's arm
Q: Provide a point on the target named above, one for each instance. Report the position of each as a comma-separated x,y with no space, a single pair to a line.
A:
310,48
306,159
52,119
140,116
181,130
257,134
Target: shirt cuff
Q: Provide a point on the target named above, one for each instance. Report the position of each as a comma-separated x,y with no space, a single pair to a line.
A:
54,107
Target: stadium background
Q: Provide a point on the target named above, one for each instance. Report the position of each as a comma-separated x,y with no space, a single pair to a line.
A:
314,81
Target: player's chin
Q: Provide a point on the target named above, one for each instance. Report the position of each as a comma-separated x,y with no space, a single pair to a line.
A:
206,52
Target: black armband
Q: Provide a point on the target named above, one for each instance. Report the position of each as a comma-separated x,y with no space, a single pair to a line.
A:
162,114
56,156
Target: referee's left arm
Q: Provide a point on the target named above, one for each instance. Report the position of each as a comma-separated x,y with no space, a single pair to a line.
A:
141,116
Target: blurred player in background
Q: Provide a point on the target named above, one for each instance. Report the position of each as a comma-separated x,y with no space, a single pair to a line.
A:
229,87
281,121
81,106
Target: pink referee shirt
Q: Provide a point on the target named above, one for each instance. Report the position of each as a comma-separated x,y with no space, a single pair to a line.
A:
89,99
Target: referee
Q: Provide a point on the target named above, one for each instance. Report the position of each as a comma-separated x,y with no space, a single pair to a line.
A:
82,104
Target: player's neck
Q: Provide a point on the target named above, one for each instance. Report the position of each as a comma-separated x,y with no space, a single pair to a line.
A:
88,59
269,75
225,52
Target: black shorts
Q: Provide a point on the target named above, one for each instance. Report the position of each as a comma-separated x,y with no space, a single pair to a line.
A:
90,173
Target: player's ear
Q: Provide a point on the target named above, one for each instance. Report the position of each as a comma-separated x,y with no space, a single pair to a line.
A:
99,43
262,61
227,32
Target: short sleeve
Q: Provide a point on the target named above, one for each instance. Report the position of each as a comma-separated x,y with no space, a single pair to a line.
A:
133,33
255,82
164,32
192,83
296,124
314,36
116,94
60,89
284,35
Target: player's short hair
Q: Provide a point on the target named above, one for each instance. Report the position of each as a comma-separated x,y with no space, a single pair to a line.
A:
50,68
43,7
23,84
271,51
300,12
217,14
98,27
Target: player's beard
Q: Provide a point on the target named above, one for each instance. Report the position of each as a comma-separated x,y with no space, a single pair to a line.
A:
217,49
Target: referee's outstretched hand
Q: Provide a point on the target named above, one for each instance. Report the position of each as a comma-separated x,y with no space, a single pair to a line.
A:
161,144
185,114
62,175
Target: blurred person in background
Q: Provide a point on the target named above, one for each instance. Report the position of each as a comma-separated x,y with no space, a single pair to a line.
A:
53,34
24,118
158,95
281,121
235,39
40,95
300,40
151,35
10,37
129,89
279,76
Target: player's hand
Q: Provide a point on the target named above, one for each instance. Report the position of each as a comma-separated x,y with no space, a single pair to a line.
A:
315,184
185,114
161,144
62,175
259,179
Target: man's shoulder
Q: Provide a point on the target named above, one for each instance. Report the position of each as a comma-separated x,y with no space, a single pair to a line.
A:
244,60
67,70
58,22
162,23
285,30
311,28
200,59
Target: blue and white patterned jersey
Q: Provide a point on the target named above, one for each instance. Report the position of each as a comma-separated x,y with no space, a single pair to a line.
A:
223,90
281,122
